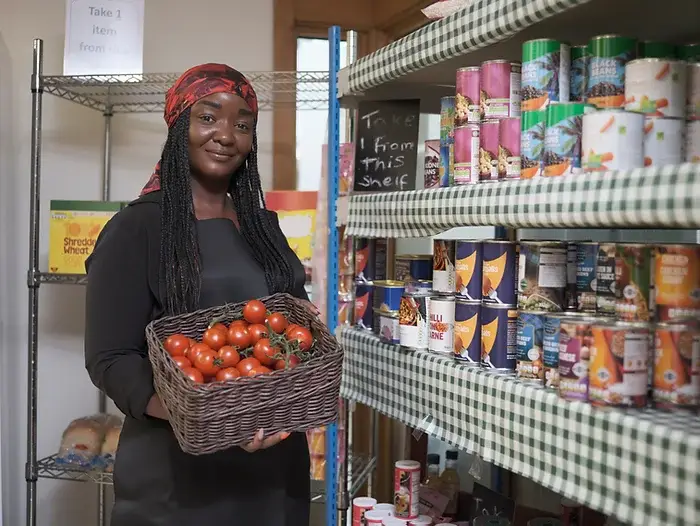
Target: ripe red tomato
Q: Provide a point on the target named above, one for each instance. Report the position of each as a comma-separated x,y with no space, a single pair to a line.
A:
241,323
230,373
265,352
255,311
229,356
303,336
176,345
261,369
294,360
197,348
290,328
245,365
257,331
239,337
214,338
207,362
192,341
182,362
219,326
277,322
194,375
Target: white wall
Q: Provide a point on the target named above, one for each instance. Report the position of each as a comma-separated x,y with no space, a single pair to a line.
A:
178,34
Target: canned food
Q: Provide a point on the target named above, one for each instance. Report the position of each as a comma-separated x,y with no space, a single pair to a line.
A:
443,265
542,276
466,154
619,364
508,162
563,132
370,259
498,337
586,270
578,73
441,319
575,341
360,506
499,82
550,346
413,267
606,69
387,295
383,506
663,141
692,142
571,295
446,165
488,150
413,321
375,517
468,269
468,331
650,49
467,96
693,96
363,305
406,488
677,365
388,326
689,52
605,279
633,282
676,280
421,286
394,521
498,272
612,140
431,164
529,339
423,520
447,120
532,128
545,73
656,86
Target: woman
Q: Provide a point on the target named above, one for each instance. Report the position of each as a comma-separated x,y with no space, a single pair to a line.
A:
198,236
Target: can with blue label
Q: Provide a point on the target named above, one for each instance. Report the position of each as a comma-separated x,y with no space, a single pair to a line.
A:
468,268
446,172
530,348
387,295
550,345
468,331
586,268
500,263
413,267
498,337
421,286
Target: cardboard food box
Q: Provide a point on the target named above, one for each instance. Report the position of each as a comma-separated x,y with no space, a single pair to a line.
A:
73,230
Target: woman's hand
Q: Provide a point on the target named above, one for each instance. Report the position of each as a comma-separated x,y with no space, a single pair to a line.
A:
263,443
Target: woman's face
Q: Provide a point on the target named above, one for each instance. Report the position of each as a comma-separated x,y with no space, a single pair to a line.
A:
220,136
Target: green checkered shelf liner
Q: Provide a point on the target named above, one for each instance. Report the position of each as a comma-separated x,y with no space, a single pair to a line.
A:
661,197
482,23
642,466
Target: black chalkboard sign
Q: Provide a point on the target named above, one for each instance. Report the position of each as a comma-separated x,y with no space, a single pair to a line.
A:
488,503
385,152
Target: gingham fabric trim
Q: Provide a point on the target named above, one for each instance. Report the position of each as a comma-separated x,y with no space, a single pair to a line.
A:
478,25
641,466
664,197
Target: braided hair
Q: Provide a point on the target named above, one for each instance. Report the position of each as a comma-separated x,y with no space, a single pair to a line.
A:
179,248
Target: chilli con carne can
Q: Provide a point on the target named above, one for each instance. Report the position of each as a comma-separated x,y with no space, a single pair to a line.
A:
441,324
532,129
488,150
468,269
578,73
499,82
634,286
562,138
529,339
612,140
545,73
676,365
606,69
467,96
444,265
498,337
413,321
466,154
406,489
413,267
656,86
499,272
677,281
542,276
468,331
508,162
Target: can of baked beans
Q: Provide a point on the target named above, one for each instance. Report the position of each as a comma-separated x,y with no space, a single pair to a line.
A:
677,281
498,337
413,321
406,488
677,365
361,505
443,265
441,320
468,331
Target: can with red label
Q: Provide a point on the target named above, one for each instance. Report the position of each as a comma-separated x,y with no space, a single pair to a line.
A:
360,506
364,293
406,488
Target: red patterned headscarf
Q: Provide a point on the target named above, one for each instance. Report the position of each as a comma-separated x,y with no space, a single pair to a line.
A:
195,84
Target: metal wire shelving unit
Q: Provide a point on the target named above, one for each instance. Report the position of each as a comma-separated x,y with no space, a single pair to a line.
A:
120,94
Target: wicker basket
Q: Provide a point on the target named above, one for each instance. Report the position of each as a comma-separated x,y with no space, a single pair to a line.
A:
211,417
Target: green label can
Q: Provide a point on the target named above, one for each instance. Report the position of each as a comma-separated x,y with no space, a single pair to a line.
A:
690,52
562,138
577,73
531,143
606,69
545,73
650,49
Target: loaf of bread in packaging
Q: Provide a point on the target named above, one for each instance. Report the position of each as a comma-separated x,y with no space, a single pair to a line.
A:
109,446
81,442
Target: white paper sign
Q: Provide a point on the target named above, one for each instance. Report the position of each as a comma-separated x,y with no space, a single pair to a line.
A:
103,37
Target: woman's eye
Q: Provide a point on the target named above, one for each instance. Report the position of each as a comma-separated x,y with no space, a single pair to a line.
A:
243,126
207,118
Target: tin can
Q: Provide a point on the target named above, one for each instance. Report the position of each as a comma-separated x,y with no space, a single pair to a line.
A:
586,269
509,148
413,267
375,517
545,73
447,120
544,521
693,106
468,331
466,154
413,321
420,286
423,520
578,73
651,49
499,82
394,521
363,305
431,172
498,272
618,373
575,341
467,96
383,506
571,294
634,282
542,276
532,128
529,341
388,326
488,150
689,52
346,309
499,324
676,365
468,268
361,505
605,279
444,265
692,142
406,488
562,138
606,69
387,295
571,513
676,280
663,141
656,86
446,171
612,140
441,319
365,258
550,346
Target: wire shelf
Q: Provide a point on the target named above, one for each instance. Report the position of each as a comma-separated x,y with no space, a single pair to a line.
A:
145,93
65,279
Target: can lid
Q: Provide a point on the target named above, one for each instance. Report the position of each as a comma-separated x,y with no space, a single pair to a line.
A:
535,312
386,313
364,501
656,60
377,514
388,283
446,297
504,306
619,324
468,68
407,464
467,301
